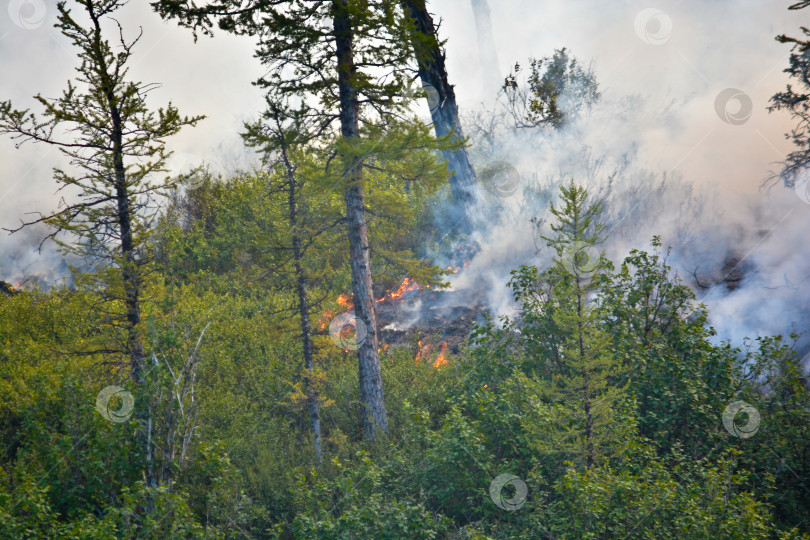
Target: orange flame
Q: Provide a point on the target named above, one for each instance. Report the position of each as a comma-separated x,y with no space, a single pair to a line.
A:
424,353
407,285
441,361
326,316
346,301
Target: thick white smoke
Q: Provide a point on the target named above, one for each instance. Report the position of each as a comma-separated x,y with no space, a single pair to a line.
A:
679,146
683,169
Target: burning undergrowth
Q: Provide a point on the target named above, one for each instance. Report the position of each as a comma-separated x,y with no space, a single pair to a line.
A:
437,321
445,316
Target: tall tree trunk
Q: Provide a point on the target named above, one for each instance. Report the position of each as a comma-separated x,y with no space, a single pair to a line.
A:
132,289
303,303
488,53
129,271
129,268
443,108
375,417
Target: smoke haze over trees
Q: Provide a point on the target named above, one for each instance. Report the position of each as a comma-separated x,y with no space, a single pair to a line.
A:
422,270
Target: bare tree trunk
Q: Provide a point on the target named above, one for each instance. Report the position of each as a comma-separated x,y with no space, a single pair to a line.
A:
129,269
488,54
375,417
303,304
443,108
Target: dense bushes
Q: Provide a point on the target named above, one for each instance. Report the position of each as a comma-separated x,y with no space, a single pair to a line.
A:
604,396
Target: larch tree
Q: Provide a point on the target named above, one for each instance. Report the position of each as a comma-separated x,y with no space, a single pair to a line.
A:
577,234
115,146
346,62
565,333
278,134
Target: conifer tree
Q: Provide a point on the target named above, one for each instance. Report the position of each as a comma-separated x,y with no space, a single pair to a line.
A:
566,334
115,146
279,137
796,100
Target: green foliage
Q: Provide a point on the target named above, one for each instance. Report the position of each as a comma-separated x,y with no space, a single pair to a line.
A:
681,500
604,394
512,401
779,449
557,91
661,336
574,403
355,505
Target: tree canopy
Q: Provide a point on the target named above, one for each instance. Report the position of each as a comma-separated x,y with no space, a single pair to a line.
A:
296,366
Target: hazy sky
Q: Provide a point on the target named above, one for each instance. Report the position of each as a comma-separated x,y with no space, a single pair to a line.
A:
676,54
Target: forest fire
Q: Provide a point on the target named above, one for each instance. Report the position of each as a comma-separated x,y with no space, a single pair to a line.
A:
441,360
465,253
8,289
441,320
421,352
407,285
346,301
424,353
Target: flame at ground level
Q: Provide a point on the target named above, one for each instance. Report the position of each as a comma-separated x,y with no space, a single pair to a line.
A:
441,360
436,354
424,353
346,301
